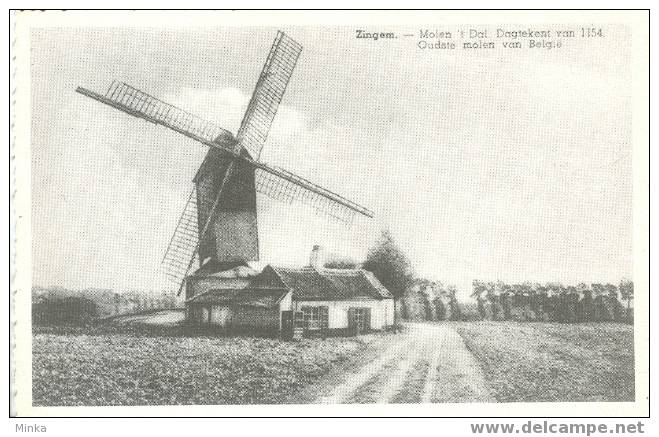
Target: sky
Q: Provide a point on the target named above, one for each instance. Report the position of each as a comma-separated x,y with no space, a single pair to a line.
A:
482,164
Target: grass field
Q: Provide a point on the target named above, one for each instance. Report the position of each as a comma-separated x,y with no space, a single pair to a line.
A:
124,364
525,362
119,369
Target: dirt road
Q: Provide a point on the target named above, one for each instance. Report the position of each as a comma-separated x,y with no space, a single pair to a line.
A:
425,363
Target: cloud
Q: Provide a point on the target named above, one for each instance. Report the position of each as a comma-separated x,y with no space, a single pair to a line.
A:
222,106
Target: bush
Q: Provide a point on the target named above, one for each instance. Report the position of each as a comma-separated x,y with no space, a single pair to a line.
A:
71,310
470,311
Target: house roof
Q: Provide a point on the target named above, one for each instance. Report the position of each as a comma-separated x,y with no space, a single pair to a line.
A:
250,297
331,284
238,269
307,283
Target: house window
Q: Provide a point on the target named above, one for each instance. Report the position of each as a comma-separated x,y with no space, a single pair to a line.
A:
315,317
359,319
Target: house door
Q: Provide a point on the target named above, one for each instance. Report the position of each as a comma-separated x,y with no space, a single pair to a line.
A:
359,319
287,321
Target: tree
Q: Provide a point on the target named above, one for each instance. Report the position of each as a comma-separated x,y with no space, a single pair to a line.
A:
493,297
117,303
456,313
440,309
430,292
390,265
479,289
521,294
570,303
615,307
627,293
601,309
439,294
586,303
554,301
505,299
538,294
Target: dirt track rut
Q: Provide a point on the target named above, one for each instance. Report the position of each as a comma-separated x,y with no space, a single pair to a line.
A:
426,363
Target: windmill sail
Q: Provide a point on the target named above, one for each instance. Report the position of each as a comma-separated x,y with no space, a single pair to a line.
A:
140,104
268,94
183,244
295,189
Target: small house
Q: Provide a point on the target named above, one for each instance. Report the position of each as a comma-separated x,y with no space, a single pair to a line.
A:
277,299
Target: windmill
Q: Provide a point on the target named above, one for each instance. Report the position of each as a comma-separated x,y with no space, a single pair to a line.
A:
219,221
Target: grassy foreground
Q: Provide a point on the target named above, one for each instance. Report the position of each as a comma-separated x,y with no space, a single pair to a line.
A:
535,362
77,369
516,362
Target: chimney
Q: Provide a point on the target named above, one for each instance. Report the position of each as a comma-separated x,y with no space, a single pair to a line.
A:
316,258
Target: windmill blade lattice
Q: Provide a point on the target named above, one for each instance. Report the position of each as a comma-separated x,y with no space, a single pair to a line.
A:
293,190
140,104
268,93
183,244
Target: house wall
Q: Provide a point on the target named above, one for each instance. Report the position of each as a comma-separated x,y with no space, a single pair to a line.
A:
241,317
382,311
388,311
221,315
259,318
198,314
286,302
